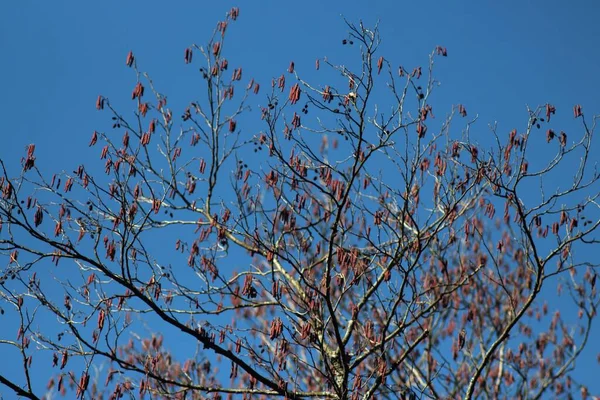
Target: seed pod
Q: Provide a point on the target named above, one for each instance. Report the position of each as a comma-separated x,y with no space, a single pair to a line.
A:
130,59
462,336
94,138
379,65
100,103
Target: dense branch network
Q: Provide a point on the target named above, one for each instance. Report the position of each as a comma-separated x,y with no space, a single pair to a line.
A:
357,255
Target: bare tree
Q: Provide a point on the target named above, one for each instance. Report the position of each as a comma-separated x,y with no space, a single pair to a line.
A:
350,249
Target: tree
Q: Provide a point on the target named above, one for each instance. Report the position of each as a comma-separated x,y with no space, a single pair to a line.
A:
357,254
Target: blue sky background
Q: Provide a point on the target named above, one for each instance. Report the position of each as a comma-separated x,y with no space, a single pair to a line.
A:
503,55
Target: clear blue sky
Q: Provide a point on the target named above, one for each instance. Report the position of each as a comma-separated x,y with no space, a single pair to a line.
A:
57,56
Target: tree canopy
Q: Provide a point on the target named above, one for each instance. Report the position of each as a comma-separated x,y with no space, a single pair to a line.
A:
340,239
